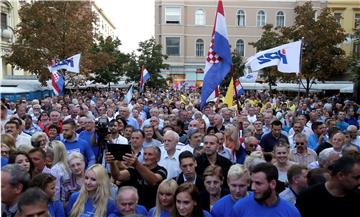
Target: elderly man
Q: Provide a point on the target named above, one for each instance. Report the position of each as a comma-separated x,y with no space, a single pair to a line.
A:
301,154
355,139
170,155
127,203
125,113
297,176
14,181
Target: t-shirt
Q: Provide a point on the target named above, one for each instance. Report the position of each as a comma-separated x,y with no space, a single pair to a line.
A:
56,209
163,213
147,193
89,208
140,210
249,207
222,207
317,201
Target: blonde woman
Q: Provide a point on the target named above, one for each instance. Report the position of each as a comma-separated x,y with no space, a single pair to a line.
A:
40,139
61,168
231,138
93,198
164,199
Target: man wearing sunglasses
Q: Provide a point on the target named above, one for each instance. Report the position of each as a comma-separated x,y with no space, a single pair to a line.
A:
301,153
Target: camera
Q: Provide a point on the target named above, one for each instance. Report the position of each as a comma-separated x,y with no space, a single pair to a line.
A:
102,126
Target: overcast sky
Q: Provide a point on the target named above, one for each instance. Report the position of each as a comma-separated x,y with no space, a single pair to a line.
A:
134,20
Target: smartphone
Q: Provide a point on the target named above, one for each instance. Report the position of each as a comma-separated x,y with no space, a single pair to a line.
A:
118,150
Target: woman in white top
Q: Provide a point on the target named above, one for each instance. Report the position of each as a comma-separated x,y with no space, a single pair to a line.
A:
281,160
61,168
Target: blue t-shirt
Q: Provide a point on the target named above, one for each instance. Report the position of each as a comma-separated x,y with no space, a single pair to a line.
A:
249,207
86,136
163,213
4,161
81,146
222,207
89,209
141,210
56,209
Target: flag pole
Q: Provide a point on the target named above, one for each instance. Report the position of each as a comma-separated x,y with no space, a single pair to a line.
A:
233,75
300,64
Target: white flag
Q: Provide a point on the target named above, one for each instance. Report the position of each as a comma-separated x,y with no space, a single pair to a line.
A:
71,64
129,94
249,77
286,57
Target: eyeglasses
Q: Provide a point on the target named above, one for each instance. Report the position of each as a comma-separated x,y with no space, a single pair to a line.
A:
300,143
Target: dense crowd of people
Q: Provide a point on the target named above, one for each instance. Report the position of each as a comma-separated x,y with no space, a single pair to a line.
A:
274,155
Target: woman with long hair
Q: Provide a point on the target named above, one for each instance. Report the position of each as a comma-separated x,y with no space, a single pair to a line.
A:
47,182
22,159
164,199
60,168
76,163
187,202
93,198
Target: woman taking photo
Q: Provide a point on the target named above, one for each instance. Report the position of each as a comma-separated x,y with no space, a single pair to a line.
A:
187,202
76,180
164,199
93,198
61,168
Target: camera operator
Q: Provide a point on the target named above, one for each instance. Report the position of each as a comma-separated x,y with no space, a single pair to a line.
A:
114,136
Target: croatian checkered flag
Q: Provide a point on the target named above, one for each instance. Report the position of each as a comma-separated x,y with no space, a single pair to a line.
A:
218,62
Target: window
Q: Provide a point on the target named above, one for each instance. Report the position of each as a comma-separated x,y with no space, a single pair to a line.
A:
172,15
240,49
240,15
173,46
357,21
338,18
356,50
199,48
280,19
260,19
199,17
3,21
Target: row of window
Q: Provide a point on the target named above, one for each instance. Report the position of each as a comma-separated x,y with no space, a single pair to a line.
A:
173,47
173,16
338,18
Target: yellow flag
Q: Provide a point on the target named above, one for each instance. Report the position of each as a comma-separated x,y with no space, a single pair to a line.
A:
230,94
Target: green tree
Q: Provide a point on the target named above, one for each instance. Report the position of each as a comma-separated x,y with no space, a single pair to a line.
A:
109,61
322,58
52,29
151,57
270,38
238,67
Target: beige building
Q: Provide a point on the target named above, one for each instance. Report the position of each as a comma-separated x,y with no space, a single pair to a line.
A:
10,18
104,27
184,29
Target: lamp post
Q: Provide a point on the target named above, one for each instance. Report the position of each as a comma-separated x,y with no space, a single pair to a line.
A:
9,33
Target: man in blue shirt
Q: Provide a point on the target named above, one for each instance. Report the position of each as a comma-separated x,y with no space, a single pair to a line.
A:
73,143
269,140
264,202
125,113
319,135
238,182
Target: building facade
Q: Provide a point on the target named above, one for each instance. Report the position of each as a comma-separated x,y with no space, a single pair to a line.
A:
184,29
347,13
104,27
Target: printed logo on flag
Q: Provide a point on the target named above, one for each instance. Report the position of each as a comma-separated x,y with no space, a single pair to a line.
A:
267,57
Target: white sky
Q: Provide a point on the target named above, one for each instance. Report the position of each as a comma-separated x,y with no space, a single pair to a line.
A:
134,20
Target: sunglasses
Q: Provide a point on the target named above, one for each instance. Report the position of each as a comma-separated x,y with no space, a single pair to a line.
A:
300,143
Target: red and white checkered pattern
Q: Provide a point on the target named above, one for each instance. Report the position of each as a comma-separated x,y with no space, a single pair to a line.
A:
213,58
56,76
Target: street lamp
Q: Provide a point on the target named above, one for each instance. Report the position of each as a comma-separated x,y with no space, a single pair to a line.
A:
9,33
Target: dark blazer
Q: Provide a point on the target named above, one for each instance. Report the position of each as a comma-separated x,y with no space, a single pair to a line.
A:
199,182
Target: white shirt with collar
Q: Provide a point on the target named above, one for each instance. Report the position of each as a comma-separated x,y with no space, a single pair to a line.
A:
171,164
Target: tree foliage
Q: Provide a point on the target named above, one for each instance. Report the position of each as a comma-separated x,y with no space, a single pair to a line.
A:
109,62
151,57
322,58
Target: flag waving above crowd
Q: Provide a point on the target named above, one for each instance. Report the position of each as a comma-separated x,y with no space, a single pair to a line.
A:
145,75
71,64
286,57
218,62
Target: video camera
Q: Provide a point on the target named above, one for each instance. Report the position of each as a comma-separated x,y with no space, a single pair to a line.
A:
102,126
